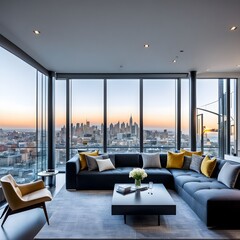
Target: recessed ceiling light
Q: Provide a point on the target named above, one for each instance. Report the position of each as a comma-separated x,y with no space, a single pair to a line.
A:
146,45
175,59
36,32
233,28
181,51
238,65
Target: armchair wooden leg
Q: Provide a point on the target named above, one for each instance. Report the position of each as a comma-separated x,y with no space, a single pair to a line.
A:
45,212
5,209
9,211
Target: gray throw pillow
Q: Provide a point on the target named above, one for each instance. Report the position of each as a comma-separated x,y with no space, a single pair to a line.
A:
228,174
186,163
196,163
151,160
104,164
92,163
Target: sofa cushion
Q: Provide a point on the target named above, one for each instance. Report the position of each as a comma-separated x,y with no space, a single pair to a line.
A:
109,155
192,187
106,179
214,195
186,162
190,153
92,163
208,165
180,172
175,160
151,160
104,164
82,157
229,174
189,176
196,163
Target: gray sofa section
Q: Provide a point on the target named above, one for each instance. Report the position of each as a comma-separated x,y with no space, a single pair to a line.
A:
213,202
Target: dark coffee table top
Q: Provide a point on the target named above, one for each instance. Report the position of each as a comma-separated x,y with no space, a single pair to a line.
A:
159,197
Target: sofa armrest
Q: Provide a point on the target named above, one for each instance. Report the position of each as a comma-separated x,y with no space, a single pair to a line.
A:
72,169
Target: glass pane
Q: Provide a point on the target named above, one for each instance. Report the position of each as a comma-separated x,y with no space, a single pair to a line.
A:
123,115
233,116
207,105
87,115
60,124
41,122
18,153
159,115
185,140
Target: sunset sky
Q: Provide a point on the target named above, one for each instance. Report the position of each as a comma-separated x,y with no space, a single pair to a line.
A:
18,103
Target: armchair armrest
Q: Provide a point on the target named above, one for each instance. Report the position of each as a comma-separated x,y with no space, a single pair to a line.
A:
31,187
72,169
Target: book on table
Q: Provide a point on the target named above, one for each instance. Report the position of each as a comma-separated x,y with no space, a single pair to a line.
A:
124,189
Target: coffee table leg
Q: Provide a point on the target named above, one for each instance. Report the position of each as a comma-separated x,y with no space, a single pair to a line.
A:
125,219
158,220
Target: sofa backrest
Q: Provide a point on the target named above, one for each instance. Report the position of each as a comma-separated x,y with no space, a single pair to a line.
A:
126,159
133,159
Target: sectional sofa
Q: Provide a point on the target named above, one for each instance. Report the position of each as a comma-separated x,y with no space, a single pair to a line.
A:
215,203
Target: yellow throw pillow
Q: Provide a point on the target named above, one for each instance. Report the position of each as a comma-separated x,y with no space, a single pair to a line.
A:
208,165
82,157
190,153
175,160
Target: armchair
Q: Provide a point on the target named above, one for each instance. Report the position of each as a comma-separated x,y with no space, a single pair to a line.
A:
22,197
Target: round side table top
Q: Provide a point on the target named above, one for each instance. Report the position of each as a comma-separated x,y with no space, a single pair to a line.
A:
47,173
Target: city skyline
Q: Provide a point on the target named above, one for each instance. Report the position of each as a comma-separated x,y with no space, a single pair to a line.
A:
18,109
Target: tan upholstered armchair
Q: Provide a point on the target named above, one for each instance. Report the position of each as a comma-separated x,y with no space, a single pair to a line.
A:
22,197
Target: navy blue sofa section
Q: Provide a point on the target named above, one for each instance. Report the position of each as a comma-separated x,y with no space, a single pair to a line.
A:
124,163
213,202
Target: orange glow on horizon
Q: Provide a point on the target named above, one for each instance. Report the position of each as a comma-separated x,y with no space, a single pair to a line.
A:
12,120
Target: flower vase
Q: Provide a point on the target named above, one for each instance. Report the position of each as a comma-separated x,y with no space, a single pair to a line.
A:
137,183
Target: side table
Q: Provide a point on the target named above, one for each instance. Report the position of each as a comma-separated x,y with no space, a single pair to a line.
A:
49,178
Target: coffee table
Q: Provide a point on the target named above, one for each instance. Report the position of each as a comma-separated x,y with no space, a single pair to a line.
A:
155,201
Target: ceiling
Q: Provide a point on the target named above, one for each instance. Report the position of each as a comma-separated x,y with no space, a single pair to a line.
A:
108,36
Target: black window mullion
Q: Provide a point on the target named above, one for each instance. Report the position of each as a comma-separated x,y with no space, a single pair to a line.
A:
105,115
67,119
141,114
178,113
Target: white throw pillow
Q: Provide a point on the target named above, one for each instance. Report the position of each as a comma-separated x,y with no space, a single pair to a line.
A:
104,164
151,160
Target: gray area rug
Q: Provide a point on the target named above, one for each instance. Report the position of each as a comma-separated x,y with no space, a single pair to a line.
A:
87,215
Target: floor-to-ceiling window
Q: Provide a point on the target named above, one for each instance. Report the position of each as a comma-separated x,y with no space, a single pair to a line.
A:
233,114
138,114
23,104
41,120
159,115
123,115
60,124
185,141
208,116
86,115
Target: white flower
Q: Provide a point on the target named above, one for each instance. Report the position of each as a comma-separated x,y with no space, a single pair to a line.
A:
138,174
